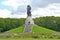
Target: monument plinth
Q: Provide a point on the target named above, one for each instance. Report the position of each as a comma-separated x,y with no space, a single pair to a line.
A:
29,21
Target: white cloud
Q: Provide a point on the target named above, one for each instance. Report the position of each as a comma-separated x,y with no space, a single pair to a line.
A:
15,3
23,15
41,12
4,13
18,16
7,14
50,10
54,9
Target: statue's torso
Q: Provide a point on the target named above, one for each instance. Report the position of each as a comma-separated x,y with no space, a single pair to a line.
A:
28,10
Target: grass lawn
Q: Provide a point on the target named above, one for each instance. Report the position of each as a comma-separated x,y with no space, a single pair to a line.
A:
41,30
27,39
17,30
35,29
37,32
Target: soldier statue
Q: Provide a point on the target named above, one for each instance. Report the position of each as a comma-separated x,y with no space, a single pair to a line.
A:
29,23
28,10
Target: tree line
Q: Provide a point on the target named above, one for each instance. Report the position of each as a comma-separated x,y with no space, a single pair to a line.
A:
49,22
10,23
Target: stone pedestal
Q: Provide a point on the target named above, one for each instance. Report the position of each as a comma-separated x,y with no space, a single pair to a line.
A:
28,24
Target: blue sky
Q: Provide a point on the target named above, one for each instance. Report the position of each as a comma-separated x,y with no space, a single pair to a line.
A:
17,8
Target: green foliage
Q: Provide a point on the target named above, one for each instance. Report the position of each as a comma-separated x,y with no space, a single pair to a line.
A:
49,22
10,23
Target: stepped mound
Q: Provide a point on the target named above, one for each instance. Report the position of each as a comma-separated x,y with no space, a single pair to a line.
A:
35,29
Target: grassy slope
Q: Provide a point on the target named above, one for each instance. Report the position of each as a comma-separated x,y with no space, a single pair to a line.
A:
36,29
27,39
17,30
41,30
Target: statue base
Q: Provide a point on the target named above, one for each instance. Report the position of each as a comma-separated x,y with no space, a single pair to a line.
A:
29,23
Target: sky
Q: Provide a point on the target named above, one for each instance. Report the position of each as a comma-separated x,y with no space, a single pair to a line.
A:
40,8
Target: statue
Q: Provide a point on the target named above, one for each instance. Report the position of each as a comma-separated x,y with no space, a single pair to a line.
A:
28,10
29,23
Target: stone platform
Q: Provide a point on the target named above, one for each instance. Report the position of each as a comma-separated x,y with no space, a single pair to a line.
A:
29,23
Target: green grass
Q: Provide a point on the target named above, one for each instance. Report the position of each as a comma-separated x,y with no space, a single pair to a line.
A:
35,29
39,33
27,39
41,30
17,30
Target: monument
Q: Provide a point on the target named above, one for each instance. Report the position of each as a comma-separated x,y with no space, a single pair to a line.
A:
29,23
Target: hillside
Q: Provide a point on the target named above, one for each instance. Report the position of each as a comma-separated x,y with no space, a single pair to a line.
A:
41,30
36,29
17,30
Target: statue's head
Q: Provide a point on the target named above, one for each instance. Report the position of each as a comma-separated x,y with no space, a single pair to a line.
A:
28,5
